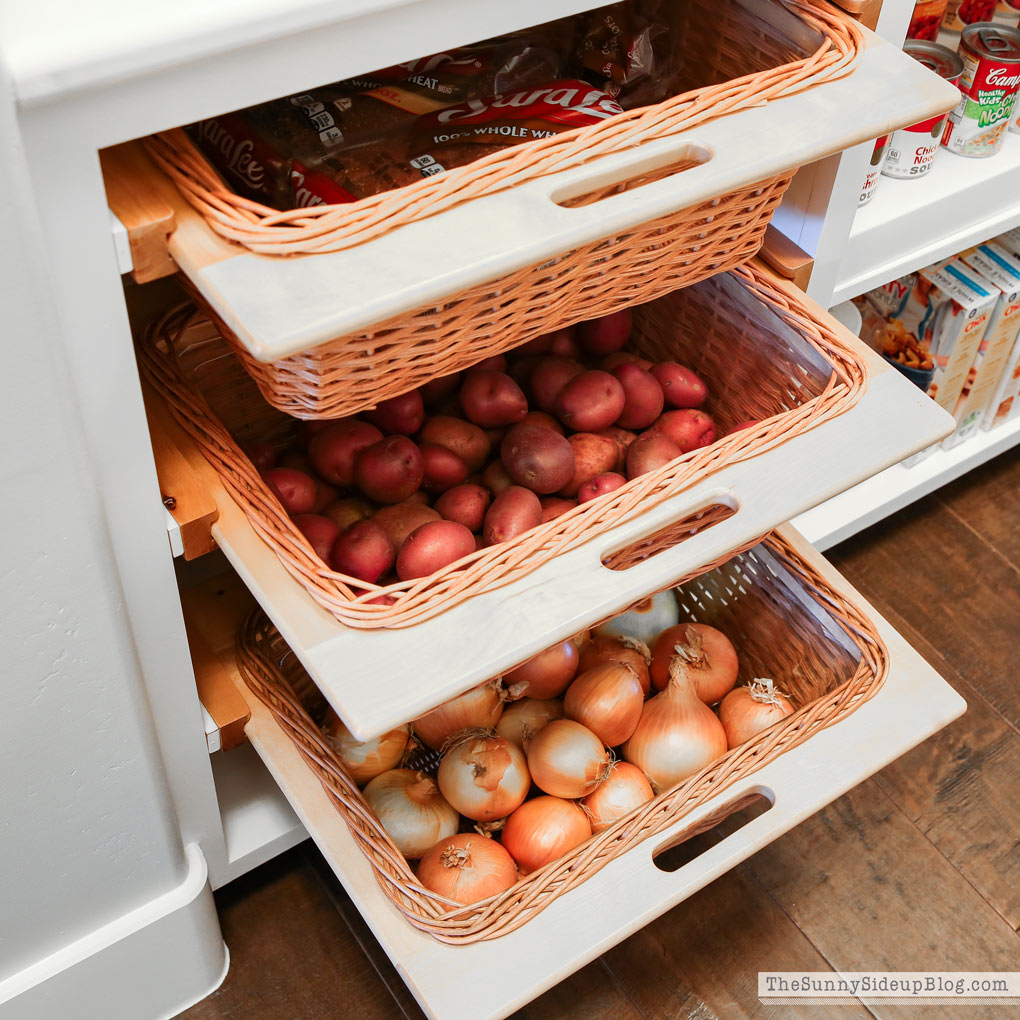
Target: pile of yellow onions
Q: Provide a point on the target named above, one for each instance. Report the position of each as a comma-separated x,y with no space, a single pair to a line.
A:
411,809
467,868
745,712
708,654
567,760
484,777
479,708
367,759
521,720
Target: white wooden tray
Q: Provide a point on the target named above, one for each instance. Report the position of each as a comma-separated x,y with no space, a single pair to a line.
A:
489,980
277,307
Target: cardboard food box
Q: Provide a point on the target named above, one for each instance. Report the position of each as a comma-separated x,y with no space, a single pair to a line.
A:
1001,271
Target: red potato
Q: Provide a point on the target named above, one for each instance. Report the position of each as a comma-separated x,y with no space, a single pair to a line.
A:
465,504
431,547
589,402
520,370
345,512
468,441
493,363
296,459
294,489
399,520
496,479
649,452
688,428
537,345
563,343
334,449
623,438
436,390
321,533
401,415
389,471
307,430
492,399
606,334
593,455
537,458
680,386
744,425
599,486
324,496
421,497
642,396
443,468
548,377
261,454
496,436
555,506
540,418
362,551
610,361
513,511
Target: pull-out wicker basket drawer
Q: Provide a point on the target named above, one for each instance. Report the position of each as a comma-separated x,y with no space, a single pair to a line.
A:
334,308
829,412
863,697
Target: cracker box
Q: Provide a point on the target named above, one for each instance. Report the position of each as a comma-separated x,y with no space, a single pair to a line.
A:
1009,240
1000,271
929,326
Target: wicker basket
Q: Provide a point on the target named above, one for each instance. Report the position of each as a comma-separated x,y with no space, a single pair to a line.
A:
762,354
786,623
747,52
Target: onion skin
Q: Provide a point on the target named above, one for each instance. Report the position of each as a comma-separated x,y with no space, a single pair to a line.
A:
467,868
478,708
677,734
708,653
746,711
625,788
521,720
618,648
542,830
608,700
365,760
567,760
484,777
644,621
545,675
411,809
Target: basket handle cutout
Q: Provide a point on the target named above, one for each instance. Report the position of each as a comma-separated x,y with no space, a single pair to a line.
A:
687,846
668,537
689,157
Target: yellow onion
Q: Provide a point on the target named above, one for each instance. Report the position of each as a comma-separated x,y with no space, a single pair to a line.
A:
365,760
607,699
479,708
411,809
484,777
625,788
521,720
467,868
707,653
542,830
745,712
644,620
618,648
677,733
545,675
566,759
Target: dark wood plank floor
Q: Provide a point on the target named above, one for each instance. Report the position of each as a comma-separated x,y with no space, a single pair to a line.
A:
916,869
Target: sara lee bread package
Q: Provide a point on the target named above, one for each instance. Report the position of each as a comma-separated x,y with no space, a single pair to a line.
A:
1001,271
387,128
1005,403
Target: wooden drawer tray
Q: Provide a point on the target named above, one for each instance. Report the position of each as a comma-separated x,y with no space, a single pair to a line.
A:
877,720
758,486
331,308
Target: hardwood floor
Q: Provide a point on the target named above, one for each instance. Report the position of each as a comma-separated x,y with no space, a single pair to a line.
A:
916,869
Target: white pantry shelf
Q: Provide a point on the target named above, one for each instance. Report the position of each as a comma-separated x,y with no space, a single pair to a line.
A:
898,486
910,224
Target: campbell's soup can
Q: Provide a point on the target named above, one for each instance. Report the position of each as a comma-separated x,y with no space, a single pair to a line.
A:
912,149
878,155
988,90
926,20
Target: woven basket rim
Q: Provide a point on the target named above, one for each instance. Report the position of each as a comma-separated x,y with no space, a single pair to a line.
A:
327,228
459,925
358,604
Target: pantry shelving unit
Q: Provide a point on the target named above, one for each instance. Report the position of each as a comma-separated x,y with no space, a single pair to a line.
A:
125,811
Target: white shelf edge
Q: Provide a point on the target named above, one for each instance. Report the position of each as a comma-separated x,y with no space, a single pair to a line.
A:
212,731
258,821
898,486
121,245
173,533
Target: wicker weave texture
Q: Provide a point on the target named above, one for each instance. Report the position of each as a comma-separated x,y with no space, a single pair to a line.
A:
737,46
764,358
786,622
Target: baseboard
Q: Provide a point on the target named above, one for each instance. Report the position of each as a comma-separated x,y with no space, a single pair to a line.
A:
150,964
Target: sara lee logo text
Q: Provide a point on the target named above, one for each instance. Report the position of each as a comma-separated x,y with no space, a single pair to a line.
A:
237,152
562,99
